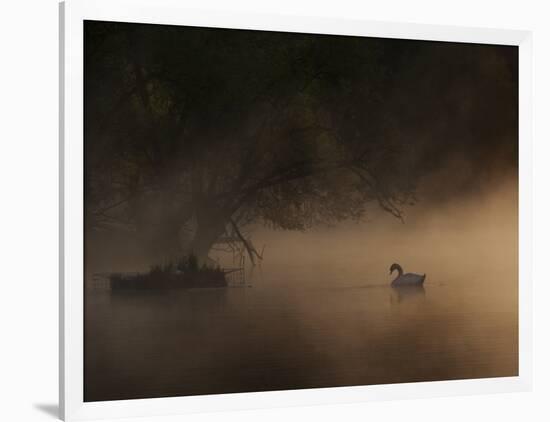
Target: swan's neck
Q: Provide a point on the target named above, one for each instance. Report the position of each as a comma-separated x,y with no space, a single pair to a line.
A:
399,270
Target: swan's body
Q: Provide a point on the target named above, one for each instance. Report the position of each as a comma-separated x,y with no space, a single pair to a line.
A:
408,279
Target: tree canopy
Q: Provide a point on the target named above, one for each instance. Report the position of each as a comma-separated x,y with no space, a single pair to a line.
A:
191,134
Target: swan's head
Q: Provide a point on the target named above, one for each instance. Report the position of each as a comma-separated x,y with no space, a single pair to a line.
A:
396,267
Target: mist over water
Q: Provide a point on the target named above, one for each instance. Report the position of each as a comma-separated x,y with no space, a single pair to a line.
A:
194,136
319,311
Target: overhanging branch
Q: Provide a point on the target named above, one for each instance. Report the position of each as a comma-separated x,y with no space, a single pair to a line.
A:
252,252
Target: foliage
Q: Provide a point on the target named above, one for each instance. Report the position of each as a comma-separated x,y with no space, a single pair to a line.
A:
191,128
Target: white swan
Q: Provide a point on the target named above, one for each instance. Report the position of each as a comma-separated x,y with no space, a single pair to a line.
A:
408,279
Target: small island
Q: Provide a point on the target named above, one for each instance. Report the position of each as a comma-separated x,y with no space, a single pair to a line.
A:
186,273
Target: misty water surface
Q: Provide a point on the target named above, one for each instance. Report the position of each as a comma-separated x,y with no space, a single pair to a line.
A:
320,313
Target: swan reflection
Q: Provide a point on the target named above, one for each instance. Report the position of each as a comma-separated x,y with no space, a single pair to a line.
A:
409,293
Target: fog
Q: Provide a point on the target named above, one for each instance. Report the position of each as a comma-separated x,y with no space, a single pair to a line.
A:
336,156
319,312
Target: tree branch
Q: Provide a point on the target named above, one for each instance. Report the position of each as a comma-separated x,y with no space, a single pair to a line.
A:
252,252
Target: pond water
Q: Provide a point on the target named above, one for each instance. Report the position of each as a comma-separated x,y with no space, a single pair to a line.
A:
297,326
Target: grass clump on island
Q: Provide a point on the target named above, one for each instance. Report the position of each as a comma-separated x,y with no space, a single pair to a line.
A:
185,273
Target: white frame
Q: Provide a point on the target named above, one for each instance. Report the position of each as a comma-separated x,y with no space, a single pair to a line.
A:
72,14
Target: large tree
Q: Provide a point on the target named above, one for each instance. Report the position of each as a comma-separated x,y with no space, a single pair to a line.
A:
192,134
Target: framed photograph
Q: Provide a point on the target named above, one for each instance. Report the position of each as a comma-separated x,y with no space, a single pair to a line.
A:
267,210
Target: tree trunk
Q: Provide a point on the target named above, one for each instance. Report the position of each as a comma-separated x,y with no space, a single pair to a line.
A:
160,242
211,225
203,241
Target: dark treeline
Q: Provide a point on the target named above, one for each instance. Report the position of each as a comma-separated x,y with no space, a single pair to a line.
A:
193,134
